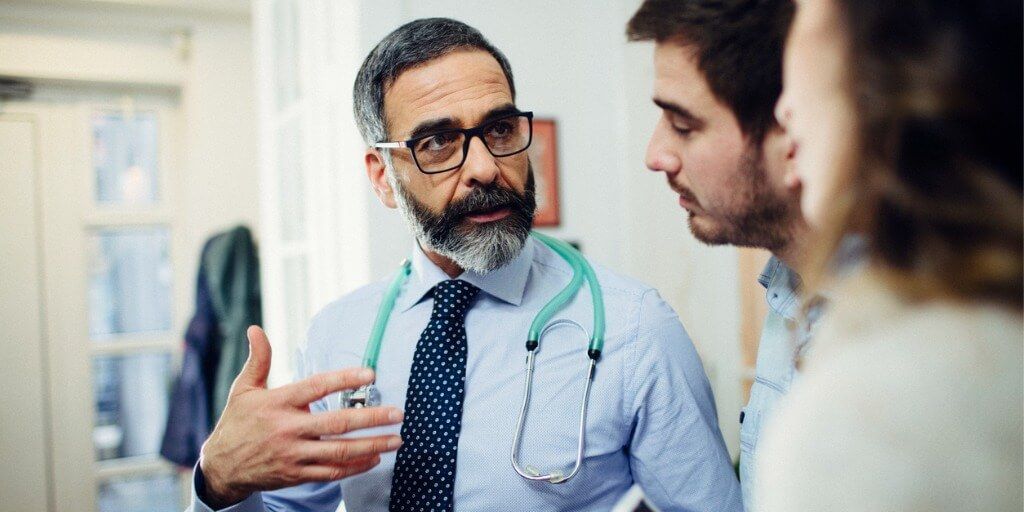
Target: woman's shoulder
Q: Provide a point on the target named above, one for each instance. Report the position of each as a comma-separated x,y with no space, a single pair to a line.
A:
891,392
869,322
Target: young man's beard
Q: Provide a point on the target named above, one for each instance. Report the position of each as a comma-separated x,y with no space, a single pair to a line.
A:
481,248
759,217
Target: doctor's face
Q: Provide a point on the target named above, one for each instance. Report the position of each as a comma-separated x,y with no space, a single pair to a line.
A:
480,213
731,187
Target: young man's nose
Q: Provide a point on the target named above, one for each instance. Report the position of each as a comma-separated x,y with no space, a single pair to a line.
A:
659,156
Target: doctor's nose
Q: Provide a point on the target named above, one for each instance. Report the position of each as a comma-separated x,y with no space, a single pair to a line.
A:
480,167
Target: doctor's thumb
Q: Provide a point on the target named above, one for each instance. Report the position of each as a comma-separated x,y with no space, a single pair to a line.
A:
257,366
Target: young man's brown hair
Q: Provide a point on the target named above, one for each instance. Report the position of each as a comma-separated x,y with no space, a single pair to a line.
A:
739,49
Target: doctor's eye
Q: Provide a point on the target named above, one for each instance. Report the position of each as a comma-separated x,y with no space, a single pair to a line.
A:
502,128
438,142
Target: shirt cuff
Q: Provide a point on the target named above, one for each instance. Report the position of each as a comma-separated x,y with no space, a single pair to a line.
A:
254,503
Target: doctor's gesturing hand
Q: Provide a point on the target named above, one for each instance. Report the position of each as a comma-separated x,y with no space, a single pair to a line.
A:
268,439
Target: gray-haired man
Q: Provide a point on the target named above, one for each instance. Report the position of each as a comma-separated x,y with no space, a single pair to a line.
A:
446,147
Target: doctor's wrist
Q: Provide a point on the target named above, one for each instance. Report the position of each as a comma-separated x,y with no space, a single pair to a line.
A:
214,490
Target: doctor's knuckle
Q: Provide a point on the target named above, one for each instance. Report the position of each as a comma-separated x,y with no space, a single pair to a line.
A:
342,451
291,473
379,416
337,473
341,423
282,432
318,385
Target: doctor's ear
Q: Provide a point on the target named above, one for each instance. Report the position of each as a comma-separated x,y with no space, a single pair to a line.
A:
376,171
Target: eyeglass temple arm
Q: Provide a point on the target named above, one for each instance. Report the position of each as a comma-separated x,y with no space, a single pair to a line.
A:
388,145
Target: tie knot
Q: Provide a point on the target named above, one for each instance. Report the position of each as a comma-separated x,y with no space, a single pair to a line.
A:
453,297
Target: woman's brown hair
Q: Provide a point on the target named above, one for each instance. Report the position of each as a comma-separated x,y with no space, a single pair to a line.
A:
937,188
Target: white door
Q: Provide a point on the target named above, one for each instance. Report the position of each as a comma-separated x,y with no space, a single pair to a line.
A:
23,400
111,288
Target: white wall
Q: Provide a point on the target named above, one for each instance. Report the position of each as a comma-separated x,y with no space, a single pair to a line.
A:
218,103
571,62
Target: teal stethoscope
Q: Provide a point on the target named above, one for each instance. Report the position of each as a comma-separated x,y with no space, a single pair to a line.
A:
369,395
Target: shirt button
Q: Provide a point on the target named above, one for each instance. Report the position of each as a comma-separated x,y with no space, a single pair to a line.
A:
742,415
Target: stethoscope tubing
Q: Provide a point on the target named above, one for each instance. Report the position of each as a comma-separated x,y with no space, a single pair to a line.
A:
582,271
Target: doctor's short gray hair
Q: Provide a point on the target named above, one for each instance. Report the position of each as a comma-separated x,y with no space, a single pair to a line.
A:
409,46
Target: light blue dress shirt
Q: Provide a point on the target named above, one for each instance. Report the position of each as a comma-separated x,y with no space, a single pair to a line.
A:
651,421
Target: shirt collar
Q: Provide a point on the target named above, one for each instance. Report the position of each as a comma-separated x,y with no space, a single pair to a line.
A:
782,285
507,283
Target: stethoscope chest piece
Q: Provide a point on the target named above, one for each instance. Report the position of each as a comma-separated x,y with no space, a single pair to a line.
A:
365,396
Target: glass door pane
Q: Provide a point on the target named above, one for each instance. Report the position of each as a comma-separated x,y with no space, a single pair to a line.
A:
130,281
131,396
124,157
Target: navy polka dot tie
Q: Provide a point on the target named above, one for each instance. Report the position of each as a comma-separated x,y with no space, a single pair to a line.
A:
424,477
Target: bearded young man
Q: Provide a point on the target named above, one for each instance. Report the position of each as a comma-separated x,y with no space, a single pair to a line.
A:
435,103
717,79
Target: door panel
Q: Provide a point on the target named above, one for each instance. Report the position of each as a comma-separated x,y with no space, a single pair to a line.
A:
23,443
111,283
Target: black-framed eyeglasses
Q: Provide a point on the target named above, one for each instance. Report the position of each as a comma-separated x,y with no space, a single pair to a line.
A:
446,150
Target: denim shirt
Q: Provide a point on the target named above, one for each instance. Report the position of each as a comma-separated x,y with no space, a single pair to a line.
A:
784,334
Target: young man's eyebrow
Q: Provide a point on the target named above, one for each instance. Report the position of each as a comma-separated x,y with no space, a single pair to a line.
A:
680,111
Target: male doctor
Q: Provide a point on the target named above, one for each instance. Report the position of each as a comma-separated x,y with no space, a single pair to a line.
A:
453,352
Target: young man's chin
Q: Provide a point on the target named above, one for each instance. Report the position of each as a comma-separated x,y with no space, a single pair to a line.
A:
707,230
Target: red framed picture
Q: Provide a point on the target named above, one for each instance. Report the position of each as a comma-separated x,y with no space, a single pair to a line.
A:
544,157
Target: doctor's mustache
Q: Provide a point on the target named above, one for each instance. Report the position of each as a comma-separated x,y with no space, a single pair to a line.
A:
495,197
490,198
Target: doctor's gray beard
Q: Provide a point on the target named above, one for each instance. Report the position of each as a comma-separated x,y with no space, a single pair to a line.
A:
481,248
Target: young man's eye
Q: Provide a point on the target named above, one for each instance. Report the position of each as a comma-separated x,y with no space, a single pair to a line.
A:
678,124
682,130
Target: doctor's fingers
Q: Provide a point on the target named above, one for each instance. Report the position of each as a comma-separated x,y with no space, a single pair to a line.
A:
330,473
335,452
315,387
347,420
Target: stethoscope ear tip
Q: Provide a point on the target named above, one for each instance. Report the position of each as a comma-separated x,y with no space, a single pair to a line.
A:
555,477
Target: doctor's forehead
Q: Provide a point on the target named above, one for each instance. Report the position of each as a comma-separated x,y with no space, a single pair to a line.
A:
462,85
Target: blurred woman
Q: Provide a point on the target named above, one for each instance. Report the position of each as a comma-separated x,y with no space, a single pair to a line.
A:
906,118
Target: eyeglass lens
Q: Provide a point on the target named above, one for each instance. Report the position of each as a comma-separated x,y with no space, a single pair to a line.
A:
444,151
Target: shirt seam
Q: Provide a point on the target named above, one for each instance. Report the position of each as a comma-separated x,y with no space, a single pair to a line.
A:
769,384
634,365
636,346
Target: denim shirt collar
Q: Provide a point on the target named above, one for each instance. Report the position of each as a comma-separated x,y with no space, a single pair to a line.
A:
782,287
507,283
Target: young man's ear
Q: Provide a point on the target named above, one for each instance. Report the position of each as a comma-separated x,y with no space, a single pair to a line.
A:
790,178
377,172
779,151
